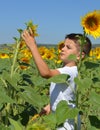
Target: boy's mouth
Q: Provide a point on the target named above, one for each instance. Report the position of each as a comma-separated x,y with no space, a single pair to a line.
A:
61,53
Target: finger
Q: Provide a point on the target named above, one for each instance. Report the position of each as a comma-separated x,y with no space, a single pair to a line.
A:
31,33
25,33
30,30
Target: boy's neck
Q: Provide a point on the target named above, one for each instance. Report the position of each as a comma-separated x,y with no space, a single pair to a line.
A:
70,64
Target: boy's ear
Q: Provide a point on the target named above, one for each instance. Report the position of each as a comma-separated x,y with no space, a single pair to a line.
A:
79,56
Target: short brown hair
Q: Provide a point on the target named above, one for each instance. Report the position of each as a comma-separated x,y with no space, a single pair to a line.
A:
75,37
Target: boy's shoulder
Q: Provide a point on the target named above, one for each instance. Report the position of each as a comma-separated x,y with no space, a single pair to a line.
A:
69,70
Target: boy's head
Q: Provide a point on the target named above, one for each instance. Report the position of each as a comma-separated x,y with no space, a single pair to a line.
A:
75,37
72,46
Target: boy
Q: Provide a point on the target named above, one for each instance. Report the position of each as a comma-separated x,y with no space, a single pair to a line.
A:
60,92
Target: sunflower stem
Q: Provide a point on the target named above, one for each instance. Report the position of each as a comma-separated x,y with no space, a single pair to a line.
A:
15,56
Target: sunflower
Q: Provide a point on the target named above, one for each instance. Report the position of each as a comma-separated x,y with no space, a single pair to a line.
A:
24,63
4,56
60,46
91,23
33,27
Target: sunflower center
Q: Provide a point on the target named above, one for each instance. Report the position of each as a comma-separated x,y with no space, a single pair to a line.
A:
91,23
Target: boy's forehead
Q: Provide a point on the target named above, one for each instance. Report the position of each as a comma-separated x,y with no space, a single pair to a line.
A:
69,41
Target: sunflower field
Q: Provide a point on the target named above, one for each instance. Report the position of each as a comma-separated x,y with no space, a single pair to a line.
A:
23,92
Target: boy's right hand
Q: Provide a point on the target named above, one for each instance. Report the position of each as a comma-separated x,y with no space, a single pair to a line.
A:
46,110
28,38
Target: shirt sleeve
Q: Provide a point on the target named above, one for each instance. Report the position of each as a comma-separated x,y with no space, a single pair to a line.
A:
71,71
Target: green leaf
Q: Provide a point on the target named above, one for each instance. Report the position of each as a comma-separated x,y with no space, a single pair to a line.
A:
4,64
16,125
72,57
12,81
4,98
66,111
51,120
83,84
29,23
16,39
61,78
95,100
4,127
20,30
32,97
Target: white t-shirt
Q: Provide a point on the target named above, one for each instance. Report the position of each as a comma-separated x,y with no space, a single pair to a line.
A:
61,91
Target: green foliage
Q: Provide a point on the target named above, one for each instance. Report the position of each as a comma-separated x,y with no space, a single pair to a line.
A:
23,93
87,96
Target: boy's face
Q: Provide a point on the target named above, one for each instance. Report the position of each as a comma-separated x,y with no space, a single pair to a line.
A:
70,47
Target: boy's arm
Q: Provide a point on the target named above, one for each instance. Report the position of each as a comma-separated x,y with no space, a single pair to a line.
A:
41,65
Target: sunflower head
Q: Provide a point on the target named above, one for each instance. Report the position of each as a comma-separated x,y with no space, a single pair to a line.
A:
33,27
60,45
91,23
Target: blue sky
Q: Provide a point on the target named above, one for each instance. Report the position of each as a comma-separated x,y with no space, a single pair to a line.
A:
55,18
